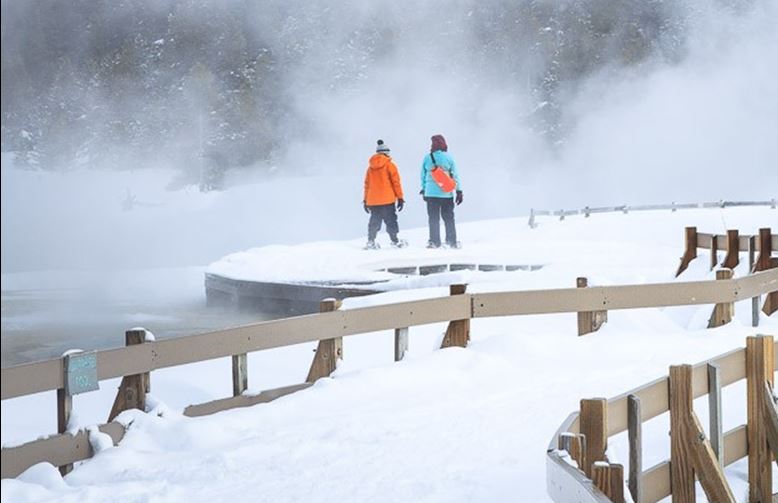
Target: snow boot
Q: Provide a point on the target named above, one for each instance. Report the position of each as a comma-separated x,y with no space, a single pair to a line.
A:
372,245
399,243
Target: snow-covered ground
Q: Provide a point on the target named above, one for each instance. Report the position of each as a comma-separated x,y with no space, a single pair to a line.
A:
443,425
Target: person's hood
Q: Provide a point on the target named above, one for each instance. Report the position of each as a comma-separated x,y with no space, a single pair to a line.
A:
379,161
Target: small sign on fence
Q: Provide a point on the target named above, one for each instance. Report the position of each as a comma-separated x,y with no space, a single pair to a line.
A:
81,373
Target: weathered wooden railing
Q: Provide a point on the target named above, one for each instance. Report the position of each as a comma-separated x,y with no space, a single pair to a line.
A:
140,357
765,243
732,243
583,437
627,208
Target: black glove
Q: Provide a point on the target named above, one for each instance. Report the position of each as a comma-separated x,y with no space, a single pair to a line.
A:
459,197
421,192
400,204
364,205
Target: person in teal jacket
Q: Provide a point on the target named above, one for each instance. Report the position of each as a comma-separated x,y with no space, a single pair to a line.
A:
439,203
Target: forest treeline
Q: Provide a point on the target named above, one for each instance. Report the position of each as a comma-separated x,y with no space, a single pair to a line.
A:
218,82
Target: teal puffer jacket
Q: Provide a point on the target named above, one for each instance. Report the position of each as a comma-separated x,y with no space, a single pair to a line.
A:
428,185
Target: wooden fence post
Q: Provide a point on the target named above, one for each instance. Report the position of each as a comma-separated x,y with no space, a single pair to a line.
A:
714,252
64,409
329,351
732,258
681,469
400,343
690,253
609,478
751,265
760,360
690,452
771,420
589,321
635,438
594,426
722,313
458,331
714,412
240,374
765,262
133,388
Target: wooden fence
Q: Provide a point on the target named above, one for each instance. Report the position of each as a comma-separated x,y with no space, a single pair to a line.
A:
626,208
135,361
583,437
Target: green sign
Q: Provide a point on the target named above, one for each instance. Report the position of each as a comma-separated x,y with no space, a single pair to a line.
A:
81,373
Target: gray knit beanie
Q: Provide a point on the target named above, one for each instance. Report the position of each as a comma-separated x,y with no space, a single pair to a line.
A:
382,147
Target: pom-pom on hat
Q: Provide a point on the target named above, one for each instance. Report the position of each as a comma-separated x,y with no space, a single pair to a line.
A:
382,148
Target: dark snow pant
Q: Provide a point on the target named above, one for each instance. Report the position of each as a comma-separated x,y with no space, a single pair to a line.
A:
383,213
441,207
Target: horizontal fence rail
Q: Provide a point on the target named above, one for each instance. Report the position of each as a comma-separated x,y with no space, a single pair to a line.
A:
586,211
48,375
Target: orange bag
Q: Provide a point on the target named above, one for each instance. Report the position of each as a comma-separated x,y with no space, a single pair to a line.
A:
442,178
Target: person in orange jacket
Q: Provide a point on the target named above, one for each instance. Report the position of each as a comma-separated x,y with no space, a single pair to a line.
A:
383,190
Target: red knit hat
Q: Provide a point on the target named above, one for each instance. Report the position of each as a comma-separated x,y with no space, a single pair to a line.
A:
438,143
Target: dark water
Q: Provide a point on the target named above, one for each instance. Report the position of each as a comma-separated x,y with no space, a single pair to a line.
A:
47,313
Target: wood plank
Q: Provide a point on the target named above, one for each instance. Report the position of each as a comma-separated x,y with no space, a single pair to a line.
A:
64,410
732,259
601,477
755,301
240,375
623,296
400,343
759,365
215,406
723,312
690,251
635,439
58,450
458,331
681,469
616,478
714,254
705,240
706,465
593,423
771,421
714,412
133,388
329,351
765,249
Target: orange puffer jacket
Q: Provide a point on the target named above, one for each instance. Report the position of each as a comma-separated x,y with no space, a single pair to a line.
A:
382,181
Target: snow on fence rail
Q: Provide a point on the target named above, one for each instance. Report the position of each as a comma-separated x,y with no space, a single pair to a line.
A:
135,361
587,211
583,436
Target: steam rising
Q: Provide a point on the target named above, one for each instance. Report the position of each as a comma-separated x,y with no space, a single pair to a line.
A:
544,104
